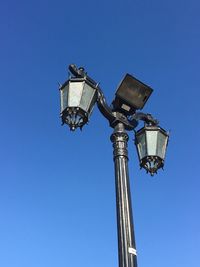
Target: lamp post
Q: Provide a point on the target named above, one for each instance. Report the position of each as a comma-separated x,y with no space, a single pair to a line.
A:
78,97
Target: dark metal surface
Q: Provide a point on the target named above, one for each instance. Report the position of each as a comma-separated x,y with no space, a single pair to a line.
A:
147,118
126,239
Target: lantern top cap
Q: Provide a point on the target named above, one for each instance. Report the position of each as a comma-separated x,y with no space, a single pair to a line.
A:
77,79
152,128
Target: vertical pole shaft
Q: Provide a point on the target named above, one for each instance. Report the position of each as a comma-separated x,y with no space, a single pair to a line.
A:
126,239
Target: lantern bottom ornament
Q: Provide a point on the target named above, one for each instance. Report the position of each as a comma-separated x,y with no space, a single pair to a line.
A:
75,117
151,164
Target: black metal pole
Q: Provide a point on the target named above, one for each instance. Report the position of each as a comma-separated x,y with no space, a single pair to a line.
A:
126,239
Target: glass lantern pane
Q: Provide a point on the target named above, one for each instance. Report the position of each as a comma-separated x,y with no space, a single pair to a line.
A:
151,142
63,97
161,145
87,97
75,93
141,145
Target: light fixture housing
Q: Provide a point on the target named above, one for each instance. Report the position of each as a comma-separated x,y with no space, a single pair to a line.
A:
151,142
77,97
131,95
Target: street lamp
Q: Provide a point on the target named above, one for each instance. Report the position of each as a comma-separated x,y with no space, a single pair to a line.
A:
78,96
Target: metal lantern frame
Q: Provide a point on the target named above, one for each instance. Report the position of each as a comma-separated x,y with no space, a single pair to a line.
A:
78,97
151,142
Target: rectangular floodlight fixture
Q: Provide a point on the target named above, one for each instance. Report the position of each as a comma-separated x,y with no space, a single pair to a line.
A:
131,95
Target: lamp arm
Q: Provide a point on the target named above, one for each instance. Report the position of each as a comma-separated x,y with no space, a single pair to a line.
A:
103,107
80,73
75,71
112,116
147,118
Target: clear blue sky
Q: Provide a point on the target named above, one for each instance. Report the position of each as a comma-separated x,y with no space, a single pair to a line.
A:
57,195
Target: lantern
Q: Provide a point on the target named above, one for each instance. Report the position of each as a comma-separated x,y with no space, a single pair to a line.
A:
151,142
78,97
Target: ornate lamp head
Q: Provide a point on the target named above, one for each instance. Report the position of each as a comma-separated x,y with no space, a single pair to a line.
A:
151,142
78,97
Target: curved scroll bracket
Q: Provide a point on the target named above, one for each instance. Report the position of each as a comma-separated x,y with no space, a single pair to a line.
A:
147,118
